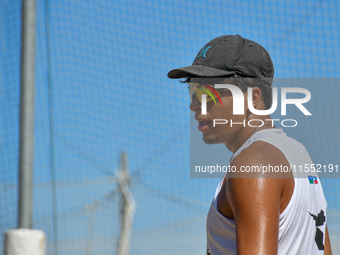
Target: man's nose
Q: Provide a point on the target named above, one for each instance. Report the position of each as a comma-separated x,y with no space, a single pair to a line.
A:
195,104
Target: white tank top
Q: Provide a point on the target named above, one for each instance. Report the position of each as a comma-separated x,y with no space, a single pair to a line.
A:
302,223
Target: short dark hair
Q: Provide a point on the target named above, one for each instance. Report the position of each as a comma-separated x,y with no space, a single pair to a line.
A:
245,82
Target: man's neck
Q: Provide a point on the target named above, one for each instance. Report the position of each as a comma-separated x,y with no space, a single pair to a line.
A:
245,132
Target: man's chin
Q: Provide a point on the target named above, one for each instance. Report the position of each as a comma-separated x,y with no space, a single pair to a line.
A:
210,140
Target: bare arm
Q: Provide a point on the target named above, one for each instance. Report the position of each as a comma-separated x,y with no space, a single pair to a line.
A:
256,201
328,249
255,204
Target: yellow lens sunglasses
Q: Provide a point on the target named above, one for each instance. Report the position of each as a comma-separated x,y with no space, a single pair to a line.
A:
198,89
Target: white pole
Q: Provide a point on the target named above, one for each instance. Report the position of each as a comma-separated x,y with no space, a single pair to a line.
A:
128,206
26,114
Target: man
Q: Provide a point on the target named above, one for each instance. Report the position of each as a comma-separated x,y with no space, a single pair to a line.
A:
264,213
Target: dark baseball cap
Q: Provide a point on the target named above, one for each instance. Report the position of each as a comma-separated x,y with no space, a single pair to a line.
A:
229,55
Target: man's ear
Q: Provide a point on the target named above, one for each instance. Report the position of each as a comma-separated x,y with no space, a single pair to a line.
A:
256,96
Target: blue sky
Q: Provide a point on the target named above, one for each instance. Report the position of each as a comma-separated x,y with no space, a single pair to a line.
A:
109,61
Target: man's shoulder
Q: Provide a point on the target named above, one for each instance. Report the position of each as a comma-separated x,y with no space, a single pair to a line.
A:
260,152
260,156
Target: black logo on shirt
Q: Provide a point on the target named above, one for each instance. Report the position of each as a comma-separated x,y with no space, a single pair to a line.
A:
319,221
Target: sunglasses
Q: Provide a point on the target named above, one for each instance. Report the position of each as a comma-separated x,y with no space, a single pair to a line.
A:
197,89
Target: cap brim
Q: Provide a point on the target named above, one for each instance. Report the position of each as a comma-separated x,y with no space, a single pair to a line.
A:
198,71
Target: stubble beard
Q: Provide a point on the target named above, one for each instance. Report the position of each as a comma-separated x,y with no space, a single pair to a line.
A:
211,139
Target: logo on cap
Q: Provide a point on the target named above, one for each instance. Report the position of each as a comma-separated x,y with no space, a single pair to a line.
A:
203,52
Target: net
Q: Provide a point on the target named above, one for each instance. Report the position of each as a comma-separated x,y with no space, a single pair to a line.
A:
105,64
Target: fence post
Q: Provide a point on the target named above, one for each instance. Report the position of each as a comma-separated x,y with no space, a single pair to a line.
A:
26,146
